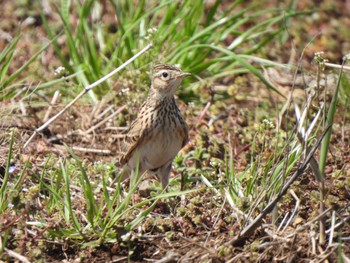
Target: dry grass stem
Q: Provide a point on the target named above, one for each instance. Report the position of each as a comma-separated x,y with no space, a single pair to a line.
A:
331,234
309,224
108,109
296,208
336,66
340,224
91,150
17,256
22,107
105,120
63,150
312,235
324,256
52,103
282,222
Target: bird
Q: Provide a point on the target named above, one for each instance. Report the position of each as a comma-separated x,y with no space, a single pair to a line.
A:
159,131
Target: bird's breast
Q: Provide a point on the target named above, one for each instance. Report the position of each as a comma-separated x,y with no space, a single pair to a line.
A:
167,133
164,144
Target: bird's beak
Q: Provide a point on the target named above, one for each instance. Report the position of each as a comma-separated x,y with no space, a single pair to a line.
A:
183,74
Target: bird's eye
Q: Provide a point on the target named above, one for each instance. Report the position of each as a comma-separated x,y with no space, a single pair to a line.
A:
165,74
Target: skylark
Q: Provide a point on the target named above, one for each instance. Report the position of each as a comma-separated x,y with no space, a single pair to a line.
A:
159,131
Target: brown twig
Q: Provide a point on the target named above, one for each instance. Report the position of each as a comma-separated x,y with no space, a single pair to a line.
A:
84,91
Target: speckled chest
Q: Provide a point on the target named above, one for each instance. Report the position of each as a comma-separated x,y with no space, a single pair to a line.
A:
167,133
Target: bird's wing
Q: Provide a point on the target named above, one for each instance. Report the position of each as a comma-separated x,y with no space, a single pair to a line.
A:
185,135
133,138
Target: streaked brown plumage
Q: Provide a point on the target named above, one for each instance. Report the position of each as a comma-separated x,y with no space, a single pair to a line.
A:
159,131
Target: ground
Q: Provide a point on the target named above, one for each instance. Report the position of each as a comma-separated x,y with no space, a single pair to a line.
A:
242,135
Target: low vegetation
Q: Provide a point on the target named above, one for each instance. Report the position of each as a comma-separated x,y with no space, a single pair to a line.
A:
265,176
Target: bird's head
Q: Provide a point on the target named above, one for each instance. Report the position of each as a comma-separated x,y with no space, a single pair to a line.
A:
166,79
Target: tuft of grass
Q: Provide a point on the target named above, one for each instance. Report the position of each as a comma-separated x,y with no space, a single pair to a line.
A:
263,179
182,33
80,204
7,55
273,156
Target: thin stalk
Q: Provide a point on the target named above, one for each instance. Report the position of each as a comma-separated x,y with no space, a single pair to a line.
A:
324,149
6,177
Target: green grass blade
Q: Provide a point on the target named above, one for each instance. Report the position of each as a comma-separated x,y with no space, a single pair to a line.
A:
53,38
3,192
65,5
6,57
22,175
106,193
329,121
68,203
24,66
9,48
141,216
87,189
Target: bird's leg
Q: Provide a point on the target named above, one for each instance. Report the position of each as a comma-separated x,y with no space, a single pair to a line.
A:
134,177
164,172
182,181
